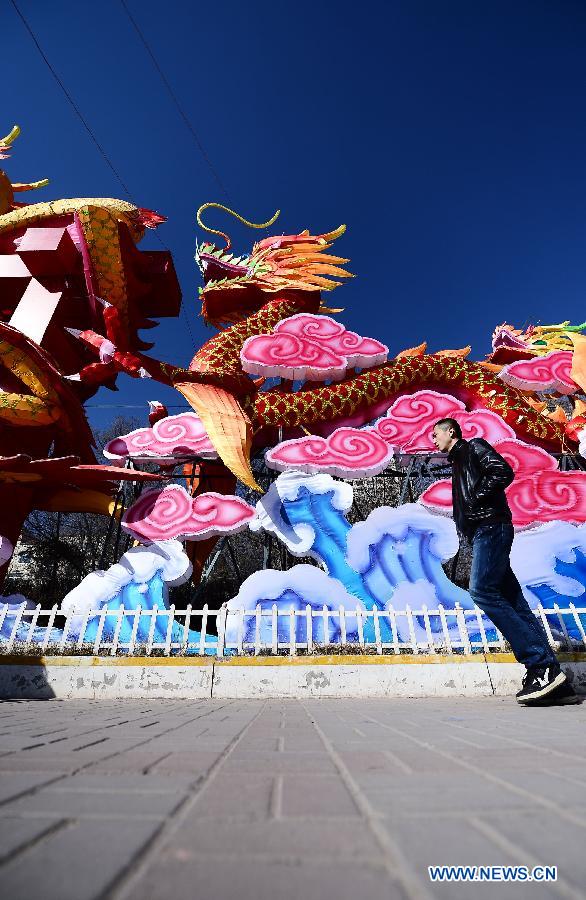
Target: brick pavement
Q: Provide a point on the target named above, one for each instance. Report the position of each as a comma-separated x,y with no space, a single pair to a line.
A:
286,799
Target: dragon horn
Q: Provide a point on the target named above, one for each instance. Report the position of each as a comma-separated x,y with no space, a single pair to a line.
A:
231,212
336,233
10,137
17,188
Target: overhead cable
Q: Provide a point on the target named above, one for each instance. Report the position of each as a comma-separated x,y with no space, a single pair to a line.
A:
175,100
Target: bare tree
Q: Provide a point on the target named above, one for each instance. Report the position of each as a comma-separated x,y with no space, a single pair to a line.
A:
57,550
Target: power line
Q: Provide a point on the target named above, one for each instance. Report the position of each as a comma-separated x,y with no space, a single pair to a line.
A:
90,131
93,137
174,99
70,99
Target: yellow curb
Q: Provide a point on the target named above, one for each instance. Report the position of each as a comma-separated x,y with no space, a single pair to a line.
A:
393,659
509,658
385,659
501,658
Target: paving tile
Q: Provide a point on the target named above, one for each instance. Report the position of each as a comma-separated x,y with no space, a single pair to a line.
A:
16,783
551,789
320,795
429,793
76,863
275,880
269,742
307,838
426,841
49,761
233,797
283,763
195,762
301,743
17,834
508,759
131,761
88,804
368,761
126,783
549,839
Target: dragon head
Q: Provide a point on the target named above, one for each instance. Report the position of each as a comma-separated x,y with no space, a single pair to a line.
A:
237,286
510,344
7,187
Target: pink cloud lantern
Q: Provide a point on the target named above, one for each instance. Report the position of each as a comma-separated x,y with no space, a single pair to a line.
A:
312,347
551,372
409,421
171,513
347,453
540,492
170,439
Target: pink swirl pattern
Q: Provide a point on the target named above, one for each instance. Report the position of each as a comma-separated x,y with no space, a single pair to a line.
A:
548,496
409,422
552,372
288,356
312,347
163,515
171,438
347,452
540,492
525,459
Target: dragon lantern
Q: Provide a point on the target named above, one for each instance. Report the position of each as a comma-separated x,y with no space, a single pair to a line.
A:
283,277
76,291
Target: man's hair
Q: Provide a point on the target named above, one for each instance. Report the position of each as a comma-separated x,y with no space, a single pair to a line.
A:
444,424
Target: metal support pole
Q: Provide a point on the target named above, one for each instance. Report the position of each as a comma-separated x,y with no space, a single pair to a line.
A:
406,480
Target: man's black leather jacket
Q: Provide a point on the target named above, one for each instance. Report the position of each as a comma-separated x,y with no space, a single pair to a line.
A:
479,478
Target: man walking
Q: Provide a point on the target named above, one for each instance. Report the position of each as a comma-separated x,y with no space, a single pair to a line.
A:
482,515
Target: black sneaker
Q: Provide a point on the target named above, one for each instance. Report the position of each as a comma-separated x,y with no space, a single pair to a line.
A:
564,695
540,681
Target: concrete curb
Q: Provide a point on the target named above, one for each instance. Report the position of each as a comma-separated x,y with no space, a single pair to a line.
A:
83,678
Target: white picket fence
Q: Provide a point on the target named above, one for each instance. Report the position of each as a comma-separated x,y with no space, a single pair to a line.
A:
266,630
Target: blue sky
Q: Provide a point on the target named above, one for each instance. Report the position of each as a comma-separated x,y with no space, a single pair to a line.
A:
450,137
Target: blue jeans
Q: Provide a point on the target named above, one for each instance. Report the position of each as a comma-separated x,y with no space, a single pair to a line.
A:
496,591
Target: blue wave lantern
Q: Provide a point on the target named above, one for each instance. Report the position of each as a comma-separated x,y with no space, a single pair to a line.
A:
139,581
394,558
